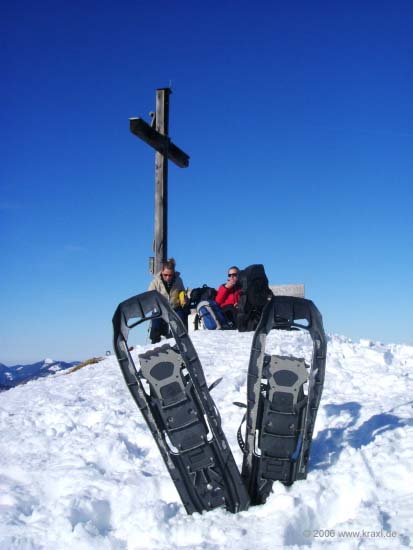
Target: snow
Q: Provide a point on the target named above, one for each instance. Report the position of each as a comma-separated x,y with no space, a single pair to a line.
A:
79,468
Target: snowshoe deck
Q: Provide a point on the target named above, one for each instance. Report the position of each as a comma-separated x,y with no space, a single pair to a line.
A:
171,391
283,395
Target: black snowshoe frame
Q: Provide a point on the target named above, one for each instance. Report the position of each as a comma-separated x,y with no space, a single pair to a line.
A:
280,416
179,410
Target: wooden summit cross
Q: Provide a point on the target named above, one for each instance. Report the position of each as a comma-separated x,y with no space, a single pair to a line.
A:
156,135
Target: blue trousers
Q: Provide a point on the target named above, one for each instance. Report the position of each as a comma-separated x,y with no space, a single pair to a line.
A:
160,328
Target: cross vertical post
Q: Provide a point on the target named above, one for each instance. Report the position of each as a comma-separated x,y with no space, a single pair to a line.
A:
160,243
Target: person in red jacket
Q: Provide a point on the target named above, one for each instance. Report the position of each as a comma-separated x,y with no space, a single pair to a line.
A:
229,293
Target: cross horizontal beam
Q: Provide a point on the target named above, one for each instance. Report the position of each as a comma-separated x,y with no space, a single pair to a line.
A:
158,141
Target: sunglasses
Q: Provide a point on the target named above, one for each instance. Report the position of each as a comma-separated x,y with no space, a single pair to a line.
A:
232,275
167,275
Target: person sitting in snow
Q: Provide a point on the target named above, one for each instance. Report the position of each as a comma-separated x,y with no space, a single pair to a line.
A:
168,283
228,295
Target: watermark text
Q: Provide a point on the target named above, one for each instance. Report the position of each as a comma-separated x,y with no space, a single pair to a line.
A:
347,534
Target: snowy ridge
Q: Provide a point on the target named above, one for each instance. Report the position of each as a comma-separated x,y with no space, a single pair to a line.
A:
79,468
20,374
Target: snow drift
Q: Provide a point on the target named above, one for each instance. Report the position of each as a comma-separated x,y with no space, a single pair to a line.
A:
79,468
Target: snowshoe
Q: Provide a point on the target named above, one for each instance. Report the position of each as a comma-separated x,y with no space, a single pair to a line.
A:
171,392
283,395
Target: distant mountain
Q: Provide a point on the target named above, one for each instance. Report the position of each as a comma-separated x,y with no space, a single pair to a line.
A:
19,374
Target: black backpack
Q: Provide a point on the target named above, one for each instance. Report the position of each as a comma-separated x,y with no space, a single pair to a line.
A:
200,294
255,293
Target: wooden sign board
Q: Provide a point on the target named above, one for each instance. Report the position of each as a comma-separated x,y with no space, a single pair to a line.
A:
288,290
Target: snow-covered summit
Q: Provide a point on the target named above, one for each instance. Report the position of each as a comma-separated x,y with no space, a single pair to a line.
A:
79,468
18,374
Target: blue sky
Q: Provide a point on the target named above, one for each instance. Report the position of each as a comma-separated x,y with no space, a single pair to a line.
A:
298,120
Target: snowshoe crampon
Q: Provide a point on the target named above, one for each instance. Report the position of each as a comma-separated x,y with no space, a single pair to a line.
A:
169,388
283,395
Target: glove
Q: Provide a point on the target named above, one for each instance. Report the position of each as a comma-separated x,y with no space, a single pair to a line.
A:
182,298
